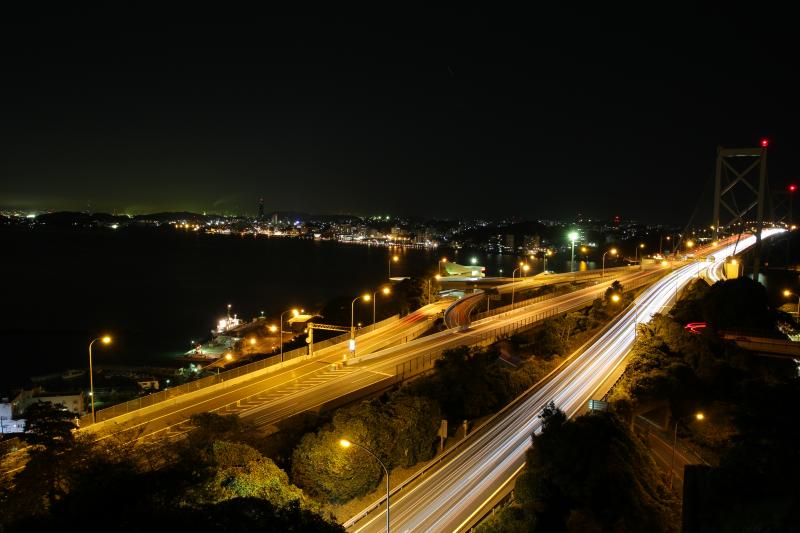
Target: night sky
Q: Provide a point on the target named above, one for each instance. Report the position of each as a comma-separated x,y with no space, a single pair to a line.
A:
473,113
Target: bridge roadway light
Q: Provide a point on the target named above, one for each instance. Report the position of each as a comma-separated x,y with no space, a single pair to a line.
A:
294,312
365,297
386,291
105,339
573,236
344,443
392,258
524,268
612,251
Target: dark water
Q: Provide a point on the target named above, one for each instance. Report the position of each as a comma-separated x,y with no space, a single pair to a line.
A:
156,290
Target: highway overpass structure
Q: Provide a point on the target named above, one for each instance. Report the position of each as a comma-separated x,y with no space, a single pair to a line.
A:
324,381
453,492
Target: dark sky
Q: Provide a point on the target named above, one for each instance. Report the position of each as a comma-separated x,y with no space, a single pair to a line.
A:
474,113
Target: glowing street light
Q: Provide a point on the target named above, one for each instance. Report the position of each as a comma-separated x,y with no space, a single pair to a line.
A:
365,297
547,254
441,262
697,416
395,259
387,291
344,443
615,298
106,339
640,247
612,251
524,268
573,236
228,357
787,293
295,312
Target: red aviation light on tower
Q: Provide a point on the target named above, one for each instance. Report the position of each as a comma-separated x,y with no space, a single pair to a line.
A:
764,142
792,187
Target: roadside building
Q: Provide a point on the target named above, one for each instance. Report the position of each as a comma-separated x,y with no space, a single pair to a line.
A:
71,401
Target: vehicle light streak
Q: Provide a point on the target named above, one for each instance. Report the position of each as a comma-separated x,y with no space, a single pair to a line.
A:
447,496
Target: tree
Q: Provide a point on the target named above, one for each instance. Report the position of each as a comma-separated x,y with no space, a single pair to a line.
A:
240,471
739,303
590,474
49,426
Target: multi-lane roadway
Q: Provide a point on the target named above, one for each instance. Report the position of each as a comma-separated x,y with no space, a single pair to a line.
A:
452,495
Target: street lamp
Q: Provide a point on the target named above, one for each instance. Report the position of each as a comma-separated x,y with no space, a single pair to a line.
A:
573,236
395,259
787,293
524,268
105,340
547,254
386,291
699,417
441,261
344,443
295,312
640,247
366,298
615,298
612,251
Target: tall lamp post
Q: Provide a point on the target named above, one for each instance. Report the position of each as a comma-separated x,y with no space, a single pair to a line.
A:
640,247
524,268
295,312
395,259
573,236
612,251
366,298
386,291
698,417
344,443
441,261
105,340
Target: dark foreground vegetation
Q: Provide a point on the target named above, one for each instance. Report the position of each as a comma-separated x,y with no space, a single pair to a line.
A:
213,480
589,474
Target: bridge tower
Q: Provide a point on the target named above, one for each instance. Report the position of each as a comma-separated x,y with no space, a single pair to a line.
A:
741,176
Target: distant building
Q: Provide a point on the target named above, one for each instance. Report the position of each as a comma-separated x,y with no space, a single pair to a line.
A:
148,384
71,401
7,422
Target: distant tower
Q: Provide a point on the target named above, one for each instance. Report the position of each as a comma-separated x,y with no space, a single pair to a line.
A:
275,218
261,209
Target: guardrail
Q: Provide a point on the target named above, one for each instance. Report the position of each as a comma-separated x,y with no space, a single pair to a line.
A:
174,392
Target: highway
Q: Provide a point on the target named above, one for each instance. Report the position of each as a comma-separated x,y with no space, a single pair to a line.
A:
450,496
324,382
383,368
170,414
